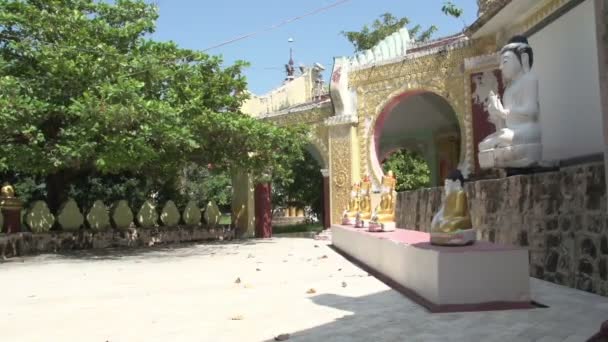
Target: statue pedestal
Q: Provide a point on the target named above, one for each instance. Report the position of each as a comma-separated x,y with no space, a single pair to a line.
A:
482,276
388,226
362,224
524,155
459,238
347,221
382,227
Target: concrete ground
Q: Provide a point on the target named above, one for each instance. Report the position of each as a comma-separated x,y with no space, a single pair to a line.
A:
190,293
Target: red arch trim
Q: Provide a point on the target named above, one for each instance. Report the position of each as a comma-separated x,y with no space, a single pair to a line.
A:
386,111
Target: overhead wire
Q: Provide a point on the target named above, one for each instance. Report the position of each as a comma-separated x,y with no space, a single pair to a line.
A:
282,23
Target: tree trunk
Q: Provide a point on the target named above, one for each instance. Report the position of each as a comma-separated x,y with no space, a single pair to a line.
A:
263,214
57,186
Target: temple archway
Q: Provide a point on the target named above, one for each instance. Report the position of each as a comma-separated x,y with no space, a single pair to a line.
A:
307,197
422,122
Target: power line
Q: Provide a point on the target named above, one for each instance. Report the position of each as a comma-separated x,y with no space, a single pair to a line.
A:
284,22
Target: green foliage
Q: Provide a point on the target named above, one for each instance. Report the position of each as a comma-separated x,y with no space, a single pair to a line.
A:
304,187
298,228
411,170
83,93
203,184
384,27
450,9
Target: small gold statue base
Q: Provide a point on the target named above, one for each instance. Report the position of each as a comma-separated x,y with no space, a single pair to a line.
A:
381,227
462,237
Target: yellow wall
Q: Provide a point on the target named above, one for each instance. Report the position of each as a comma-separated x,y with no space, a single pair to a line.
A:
298,91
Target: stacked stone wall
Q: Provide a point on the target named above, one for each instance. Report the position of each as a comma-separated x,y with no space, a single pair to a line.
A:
560,216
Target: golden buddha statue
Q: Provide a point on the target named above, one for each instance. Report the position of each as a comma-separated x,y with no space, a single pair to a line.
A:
451,225
386,212
350,212
365,203
383,218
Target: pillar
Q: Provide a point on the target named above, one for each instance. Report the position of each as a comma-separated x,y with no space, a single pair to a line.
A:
601,22
263,211
344,161
326,205
11,210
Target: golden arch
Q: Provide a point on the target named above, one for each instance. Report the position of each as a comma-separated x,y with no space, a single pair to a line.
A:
456,102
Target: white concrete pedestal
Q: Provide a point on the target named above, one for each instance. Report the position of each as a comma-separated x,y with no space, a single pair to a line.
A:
483,276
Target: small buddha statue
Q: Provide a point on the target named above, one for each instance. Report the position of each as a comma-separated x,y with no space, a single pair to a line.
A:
517,140
350,213
451,225
384,214
365,203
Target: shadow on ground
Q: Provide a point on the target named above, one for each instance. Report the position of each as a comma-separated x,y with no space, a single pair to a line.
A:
176,250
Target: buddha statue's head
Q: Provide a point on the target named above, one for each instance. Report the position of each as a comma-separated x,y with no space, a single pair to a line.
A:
516,58
454,182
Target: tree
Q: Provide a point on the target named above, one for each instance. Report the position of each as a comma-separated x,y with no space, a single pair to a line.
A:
450,9
83,92
381,28
412,171
304,189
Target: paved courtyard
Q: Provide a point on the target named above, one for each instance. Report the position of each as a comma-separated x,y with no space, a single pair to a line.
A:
191,293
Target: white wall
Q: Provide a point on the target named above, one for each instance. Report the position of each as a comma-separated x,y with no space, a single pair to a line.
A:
566,62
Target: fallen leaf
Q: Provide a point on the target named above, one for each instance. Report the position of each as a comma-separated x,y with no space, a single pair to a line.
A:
311,291
282,337
237,318
237,281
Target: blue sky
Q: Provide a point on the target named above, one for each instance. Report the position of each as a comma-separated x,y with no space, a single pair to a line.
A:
200,24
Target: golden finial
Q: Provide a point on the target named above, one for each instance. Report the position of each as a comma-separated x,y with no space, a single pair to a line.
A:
7,191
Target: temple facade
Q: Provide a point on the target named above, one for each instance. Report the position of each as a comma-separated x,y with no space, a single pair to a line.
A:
432,97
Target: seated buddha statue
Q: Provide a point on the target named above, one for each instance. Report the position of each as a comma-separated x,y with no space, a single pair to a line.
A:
517,140
350,213
384,214
365,203
451,225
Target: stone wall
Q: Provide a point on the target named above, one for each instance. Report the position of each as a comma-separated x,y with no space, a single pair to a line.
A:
560,216
23,244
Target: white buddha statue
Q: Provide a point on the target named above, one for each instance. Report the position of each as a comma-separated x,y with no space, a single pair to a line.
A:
517,140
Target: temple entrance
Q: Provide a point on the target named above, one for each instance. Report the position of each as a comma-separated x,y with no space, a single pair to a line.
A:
410,168
425,125
305,200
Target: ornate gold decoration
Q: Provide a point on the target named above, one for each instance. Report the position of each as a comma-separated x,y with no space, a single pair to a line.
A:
8,199
307,116
340,144
441,73
341,178
540,15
